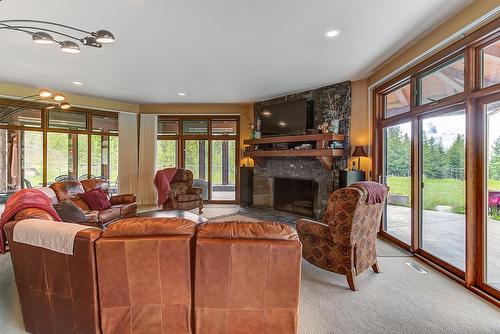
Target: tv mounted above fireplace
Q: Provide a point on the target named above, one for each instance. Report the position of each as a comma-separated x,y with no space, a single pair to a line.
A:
288,118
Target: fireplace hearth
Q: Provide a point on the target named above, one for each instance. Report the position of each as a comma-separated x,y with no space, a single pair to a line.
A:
295,196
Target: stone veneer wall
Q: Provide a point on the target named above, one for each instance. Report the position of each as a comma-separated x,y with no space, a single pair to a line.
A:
330,102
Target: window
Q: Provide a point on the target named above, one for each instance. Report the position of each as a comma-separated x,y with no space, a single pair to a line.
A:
207,146
166,127
166,154
67,120
223,127
441,82
59,157
397,102
104,124
491,64
195,127
28,117
113,163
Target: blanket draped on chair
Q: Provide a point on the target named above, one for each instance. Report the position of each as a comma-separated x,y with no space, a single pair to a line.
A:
162,181
24,199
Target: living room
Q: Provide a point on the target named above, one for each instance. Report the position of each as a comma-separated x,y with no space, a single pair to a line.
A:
250,166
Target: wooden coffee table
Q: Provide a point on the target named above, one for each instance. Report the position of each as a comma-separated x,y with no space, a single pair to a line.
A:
173,214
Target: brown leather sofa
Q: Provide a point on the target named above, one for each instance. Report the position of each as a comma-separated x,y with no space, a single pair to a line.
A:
139,276
345,241
122,206
144,270
57,292
182,195
247,278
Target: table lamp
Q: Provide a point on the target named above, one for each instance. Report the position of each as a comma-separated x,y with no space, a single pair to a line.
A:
359,152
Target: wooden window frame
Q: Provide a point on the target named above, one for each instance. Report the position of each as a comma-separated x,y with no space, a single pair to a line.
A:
45,129
181,137
472,100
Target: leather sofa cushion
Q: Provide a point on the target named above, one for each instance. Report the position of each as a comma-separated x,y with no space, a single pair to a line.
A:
32,213
93,184
188,197
126,209
140,227
79,202
67,190
109,215
247,230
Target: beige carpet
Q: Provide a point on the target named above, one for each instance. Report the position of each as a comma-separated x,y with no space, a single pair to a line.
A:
399,300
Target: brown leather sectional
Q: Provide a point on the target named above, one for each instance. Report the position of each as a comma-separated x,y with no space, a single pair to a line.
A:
162,275
122,206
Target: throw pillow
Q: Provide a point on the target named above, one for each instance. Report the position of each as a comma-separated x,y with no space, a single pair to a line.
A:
69,212
97,199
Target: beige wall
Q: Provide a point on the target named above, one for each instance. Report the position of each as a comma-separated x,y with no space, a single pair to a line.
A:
13,90
463,18
360,121
245,111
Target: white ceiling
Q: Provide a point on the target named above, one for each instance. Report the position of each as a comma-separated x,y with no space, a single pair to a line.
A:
214,50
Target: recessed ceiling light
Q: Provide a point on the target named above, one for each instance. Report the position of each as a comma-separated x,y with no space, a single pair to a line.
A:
181,94
77,83
332,33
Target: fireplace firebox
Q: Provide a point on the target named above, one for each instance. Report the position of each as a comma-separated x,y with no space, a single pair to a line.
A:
295,195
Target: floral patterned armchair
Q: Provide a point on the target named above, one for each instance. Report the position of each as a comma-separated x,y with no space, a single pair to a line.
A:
182,195
344,242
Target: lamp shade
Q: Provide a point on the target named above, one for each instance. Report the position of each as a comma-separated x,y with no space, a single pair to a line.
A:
359,151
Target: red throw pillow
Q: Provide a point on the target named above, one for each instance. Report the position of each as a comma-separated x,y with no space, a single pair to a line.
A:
97,199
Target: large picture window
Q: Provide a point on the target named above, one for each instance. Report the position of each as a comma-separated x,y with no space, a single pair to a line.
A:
207,146
39,147
440,158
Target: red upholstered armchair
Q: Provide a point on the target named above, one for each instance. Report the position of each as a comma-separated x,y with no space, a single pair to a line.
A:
344,242
182,195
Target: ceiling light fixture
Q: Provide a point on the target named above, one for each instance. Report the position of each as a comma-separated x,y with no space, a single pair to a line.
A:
181,94
44,93
69,47
26,102
64,105
59,97
332,33
77,83
42,38
39,32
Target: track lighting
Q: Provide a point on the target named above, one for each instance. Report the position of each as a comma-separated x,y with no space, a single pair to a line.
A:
39,32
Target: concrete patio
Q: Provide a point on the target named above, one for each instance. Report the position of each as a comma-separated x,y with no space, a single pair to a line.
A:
444,237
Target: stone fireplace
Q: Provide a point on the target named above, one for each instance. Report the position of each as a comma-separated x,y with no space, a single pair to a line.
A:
331,102
295,195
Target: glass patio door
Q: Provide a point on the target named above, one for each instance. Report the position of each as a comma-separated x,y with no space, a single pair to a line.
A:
442,207
196,160
491,223
397,176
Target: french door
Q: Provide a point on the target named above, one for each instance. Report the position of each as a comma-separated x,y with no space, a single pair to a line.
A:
209,147
490,222
397,175
442,188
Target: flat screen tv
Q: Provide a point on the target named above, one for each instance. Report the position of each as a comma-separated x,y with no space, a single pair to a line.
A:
288,118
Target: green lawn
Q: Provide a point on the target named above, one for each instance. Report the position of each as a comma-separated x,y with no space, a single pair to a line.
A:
449,192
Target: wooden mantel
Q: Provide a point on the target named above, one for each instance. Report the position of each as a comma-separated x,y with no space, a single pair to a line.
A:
321,152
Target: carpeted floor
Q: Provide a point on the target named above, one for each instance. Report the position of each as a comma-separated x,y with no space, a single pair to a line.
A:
399,300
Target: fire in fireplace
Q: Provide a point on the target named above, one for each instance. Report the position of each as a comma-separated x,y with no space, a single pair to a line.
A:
295,196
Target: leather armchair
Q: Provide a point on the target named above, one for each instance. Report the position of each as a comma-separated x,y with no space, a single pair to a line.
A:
247,278
345,241
122,206
182,195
